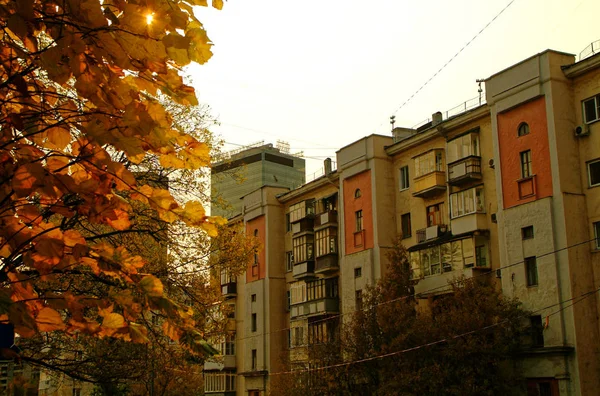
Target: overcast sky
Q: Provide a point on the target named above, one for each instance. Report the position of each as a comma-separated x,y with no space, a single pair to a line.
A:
322,74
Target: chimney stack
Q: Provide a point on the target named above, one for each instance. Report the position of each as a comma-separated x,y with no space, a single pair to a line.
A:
327,166
436,118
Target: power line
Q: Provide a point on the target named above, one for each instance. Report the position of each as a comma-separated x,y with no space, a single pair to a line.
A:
449,284
450,60
444,340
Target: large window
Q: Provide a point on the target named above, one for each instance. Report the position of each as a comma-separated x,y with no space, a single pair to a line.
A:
321,332
449,256
531,271
591,109
404,178
298,291
597,233
326,241
219,382
467,202
526,170
406,226
322,288
358,216
298,336
594,173
303,248
462,147
434,215
301,210
227,346
431,161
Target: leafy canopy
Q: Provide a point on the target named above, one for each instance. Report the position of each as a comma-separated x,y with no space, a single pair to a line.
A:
78,110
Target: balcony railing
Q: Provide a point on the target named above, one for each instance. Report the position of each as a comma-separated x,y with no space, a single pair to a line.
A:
328,262
322,306
435,231
305,224
464,170
229,290
305,269
326,217
429,184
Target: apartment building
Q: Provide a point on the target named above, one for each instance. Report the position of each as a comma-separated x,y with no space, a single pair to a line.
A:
506,190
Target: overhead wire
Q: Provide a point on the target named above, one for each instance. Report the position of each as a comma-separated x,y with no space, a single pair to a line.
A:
425,292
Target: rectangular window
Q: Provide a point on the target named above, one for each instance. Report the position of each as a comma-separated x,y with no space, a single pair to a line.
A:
481,256
228,345
289,300
406,229
326,241
322,288
526,170
594,173
357,272
434,215
289,261
253,324
253,298
431,161
462,147
358,300
359,220
298,290
298,336
404,178
288,223
527,232
531,271
591,109
303,248
301,210
537,331
542,387
254,359
597,233
467,202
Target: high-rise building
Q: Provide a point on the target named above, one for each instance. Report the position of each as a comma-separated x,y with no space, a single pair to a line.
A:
247,169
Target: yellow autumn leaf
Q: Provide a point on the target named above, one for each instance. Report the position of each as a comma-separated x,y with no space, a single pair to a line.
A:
49,319
171,161
113,321
199,50
177,48
152,286
121,220
138,333
171,331
59,137
210,229
218,4
193,213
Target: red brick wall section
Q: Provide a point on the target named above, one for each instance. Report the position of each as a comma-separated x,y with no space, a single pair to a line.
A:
260,273
360,181
511,145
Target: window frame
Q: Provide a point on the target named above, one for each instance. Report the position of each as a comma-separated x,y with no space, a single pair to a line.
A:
523,129
463,146
438,215
596,101
325,241
254,323
289,261
525,234
358,300
357,272
404,178
358,219
526,164
429,162
406,225
532,278
460,200
589,169
596,229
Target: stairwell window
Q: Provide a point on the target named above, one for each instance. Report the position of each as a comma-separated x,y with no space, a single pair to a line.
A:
358,215
591,109
594,173
406,226
531,271
526,170
404,178
597,234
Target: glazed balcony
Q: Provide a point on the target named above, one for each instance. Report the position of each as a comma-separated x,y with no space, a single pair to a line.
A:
465,170
326,218
305,269
327,263
440,282
226,362
303,225
229,290
430,184
435,231
318,307
469,223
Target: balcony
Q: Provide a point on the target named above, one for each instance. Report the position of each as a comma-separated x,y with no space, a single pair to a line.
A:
430,184
438,284
326,263
435,231
229,290
220,363
464,170
527,187
313,308
303,270
468,223
305,224
326,218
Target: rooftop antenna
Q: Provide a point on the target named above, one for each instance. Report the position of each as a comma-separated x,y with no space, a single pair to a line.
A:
480,90
393,121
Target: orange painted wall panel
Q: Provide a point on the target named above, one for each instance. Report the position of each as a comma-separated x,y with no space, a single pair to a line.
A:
361,181
260,273
511,145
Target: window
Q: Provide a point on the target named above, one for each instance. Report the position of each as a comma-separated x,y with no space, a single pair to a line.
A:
594,173
301,210
526,170
253,324
467,202
542,387
289,261
429,162
302,248
254,360
289,300
434,215
298,336
523,129
298,291
481,256
322,288
228,345
326,241
537,331
404,178
219,382
255,251
358,300
321,332
253,298
253,393
288,223
597,233
462,147
447,257
76,392
406,230
358,272
591,109
531,271
527,232
359,220
357,193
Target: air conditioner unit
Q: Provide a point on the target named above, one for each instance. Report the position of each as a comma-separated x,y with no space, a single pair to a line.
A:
582,130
